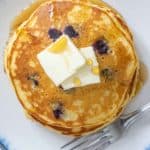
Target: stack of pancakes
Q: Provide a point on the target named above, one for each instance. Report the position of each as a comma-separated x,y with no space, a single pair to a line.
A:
80,110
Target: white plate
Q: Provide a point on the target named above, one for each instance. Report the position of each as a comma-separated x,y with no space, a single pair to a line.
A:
19,133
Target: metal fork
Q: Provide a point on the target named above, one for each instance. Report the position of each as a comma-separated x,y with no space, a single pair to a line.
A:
102,139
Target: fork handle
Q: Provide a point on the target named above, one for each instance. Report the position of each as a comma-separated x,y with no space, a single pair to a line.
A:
128,119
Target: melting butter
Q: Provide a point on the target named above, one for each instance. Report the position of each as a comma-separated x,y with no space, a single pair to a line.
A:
77,81
95,70
89,62
86,75
59,46
61,59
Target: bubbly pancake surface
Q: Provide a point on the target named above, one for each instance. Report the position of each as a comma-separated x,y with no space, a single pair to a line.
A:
81,109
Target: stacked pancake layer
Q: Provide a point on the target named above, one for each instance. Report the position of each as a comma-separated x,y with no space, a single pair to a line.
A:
80,110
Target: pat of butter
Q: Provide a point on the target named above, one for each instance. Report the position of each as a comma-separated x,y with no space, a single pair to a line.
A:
86,75
61,60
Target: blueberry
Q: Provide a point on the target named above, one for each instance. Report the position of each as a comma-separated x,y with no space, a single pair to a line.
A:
54,33
70,31
36,82
107,73
61,87
101,46
57,113
57,109
34,79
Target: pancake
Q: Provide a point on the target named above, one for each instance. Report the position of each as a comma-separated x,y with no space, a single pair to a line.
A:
80,110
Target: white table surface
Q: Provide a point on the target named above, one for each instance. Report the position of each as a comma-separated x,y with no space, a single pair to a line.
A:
19,133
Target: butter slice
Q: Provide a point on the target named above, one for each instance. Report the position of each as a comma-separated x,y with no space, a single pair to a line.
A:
61,60
86,75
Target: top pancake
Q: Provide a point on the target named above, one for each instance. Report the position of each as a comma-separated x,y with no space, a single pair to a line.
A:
82,108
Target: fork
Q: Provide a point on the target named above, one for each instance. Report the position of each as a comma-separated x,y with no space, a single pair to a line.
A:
102,139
